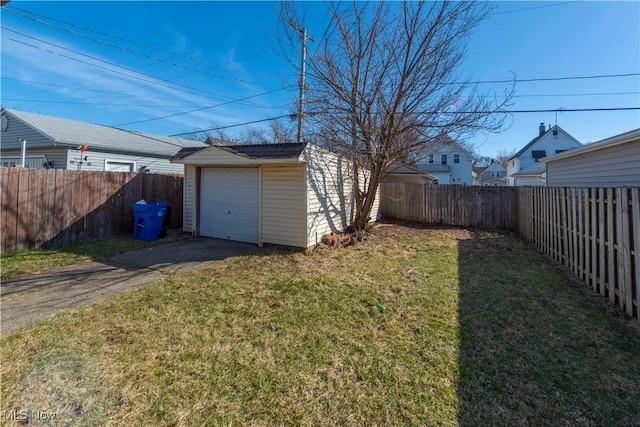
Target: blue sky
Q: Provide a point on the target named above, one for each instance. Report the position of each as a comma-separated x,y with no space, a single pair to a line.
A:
222,61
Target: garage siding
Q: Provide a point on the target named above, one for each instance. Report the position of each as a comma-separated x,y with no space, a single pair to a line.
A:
329,194
188,205
612,166
283,205
300,202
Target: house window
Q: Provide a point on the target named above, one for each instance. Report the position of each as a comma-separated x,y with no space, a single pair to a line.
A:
444,159
119,166
456,158
430,158
538,154
32,162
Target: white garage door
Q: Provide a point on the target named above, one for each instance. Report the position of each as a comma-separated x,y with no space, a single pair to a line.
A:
230,203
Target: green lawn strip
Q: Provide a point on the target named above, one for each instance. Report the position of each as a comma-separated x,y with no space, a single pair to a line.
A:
535,349
404,329
32,261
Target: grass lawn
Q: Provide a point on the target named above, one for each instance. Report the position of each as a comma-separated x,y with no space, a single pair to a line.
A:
31,261
416,326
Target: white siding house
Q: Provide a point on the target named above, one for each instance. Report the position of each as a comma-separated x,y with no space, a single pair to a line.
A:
285,194
404,173
612,162
52,142
447,161
523,168
492,175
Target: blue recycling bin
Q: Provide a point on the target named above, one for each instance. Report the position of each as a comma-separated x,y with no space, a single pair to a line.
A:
148,219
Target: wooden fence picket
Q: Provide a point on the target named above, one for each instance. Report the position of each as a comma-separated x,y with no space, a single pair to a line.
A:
59,206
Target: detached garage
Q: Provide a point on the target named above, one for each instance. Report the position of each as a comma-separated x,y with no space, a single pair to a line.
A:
285,194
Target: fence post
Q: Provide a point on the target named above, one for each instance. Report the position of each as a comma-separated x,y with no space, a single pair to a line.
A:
635,243
624,250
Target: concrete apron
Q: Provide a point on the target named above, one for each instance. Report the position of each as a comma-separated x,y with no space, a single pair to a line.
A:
29,299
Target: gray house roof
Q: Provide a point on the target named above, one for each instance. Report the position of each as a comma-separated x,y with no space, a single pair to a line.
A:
253,151
435,145
537,138
536,169
622,138
68,132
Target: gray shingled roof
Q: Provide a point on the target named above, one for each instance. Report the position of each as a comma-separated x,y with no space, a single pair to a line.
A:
73,132
184,152
267,151
253,151
536,169
534,140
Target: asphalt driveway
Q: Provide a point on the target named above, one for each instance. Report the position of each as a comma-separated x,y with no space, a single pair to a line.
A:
26,300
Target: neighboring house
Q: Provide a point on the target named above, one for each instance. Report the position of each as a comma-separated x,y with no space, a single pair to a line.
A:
548,142
52,143
533,176
217,141
475,174
446,160
405,173
611,162
287,194
492,175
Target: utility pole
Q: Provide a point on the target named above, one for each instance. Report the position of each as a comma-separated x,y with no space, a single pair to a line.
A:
303,60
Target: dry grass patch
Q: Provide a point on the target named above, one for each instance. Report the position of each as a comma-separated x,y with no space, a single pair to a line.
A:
367,335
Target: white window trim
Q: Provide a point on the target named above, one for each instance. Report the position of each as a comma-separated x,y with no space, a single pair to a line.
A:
129,162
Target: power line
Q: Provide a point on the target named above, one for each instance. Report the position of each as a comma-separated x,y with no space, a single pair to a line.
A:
251,104
551,110
199,93
154,58
549,79
575,94
40,101
534,7
100,60
22,12
233,126
565,110
203,108
54,85
556,110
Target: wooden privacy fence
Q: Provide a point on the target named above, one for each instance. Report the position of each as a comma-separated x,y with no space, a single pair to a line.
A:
486,207
594,232
57,206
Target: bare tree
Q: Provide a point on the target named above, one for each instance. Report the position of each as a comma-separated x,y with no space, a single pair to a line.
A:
384,82
481,161
253,135
214,133
282,131
504,155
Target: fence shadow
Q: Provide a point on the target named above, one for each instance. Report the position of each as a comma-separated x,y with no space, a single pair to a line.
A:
534,349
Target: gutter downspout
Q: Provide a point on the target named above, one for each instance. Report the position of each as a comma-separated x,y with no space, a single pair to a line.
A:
23,152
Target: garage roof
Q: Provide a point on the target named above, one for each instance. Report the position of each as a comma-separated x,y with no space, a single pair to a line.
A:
267,151
252,151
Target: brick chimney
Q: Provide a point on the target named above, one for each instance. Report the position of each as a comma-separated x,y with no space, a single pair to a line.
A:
541,128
